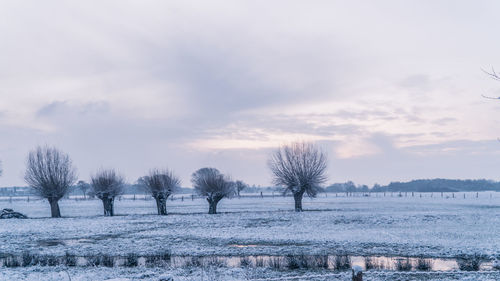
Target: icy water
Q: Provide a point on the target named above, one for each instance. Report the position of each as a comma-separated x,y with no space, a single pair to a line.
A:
333,262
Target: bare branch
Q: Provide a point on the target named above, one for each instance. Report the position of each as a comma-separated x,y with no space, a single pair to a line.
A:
161,184
300,168
492,74
50,173
209,182
493,98
107,184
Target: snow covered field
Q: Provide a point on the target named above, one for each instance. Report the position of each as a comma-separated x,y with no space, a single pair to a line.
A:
436,227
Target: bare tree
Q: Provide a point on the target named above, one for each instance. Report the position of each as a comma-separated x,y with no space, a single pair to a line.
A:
84,187
495,76
106,185
240,185
161,184
300,168
209,182
50,173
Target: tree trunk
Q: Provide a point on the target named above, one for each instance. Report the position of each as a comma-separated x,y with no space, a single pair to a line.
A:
298,201
212,206
161,205
54,208
108,206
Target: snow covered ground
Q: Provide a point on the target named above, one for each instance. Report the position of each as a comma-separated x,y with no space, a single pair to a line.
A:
226,274
392,226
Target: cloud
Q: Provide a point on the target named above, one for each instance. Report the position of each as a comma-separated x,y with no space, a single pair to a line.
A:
191,83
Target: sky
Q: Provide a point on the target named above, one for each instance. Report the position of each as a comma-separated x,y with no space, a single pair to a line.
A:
390,90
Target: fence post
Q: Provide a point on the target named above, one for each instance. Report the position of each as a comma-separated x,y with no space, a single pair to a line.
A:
357,273
192,197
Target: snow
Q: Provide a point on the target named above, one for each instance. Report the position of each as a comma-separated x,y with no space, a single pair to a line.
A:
224,274
356,269
391,226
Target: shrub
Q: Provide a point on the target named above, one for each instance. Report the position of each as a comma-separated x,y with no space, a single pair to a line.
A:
245,262
342,262
259,262
292,262
320,261
192,262
424,264
107,261
275,262
29,259
69,260
403,264
215,262
371,263
11,261
470,263
131,260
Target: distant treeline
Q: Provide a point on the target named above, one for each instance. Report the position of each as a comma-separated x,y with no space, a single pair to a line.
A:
424,185
127,189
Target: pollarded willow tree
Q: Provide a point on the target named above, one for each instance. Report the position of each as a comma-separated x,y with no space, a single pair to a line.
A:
50,173
301,168
106,185
213,185
161,184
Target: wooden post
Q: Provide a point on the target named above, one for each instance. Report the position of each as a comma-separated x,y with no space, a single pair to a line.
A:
357,273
